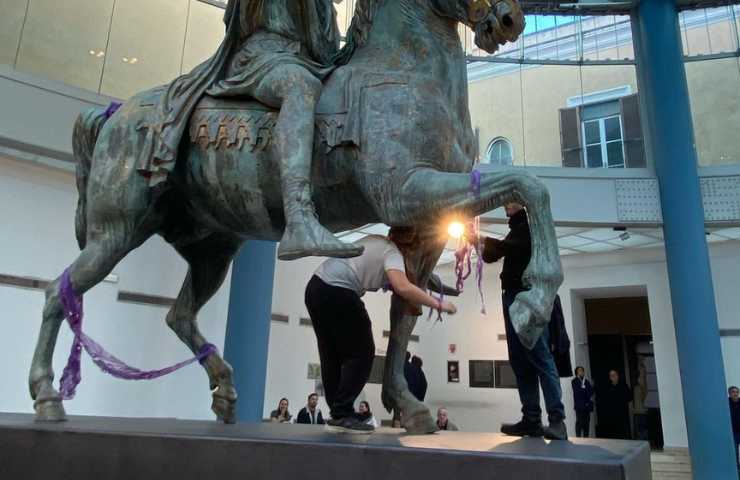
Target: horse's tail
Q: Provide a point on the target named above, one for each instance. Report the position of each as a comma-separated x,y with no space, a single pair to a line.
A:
86,130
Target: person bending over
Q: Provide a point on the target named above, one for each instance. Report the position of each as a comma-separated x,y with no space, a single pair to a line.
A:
342,325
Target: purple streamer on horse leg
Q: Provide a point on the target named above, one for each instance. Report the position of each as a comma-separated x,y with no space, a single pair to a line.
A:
112,108
475,186
71,377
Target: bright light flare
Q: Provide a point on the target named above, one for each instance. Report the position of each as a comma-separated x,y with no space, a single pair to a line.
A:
456,230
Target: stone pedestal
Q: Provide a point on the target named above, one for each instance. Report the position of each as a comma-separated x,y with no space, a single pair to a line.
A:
92,448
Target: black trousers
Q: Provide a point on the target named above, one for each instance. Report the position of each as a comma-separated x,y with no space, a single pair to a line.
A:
345,341
583,423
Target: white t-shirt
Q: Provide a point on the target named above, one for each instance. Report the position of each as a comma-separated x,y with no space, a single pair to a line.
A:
366,273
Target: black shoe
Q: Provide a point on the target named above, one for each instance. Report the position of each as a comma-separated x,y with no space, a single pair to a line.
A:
556,431
349,425
523,428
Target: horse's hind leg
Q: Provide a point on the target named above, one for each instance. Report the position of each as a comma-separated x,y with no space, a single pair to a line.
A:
209,261
95,262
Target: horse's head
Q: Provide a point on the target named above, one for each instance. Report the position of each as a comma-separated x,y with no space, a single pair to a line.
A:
494,22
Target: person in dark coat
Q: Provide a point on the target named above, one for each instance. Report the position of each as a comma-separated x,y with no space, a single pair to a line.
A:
421,385
535,368
583,404
415,378
734,394
613,401
559,340
311,414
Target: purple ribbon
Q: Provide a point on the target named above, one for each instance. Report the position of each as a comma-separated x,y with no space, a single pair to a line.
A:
464,253
71,377
475,182
439,311
112,108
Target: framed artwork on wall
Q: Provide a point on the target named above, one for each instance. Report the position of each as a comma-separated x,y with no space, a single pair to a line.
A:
314,371
453,371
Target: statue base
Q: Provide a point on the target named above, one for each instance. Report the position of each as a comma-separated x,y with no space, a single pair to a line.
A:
85,448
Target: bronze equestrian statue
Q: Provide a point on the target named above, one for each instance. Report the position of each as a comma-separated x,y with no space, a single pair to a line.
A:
212,160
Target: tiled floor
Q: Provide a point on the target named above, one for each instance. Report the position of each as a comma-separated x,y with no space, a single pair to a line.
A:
673,464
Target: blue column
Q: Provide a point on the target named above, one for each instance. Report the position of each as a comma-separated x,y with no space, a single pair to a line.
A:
248,326
664,91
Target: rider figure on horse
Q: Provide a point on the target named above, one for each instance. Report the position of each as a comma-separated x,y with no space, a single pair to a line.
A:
277,52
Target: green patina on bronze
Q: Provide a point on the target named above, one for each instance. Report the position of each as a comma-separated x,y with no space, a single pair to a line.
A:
202,163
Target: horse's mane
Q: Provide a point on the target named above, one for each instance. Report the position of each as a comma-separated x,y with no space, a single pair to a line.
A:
359,29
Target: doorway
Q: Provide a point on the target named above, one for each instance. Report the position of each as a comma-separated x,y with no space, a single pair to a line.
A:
620,338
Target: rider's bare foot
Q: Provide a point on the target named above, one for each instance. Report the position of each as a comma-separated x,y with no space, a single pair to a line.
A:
310,239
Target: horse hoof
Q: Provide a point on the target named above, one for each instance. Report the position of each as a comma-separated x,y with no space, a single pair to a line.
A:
420,423
224,409
49,410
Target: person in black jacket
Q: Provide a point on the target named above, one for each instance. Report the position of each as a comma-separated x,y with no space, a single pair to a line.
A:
420,385
533,368
583,394
613,401
734,394
310,414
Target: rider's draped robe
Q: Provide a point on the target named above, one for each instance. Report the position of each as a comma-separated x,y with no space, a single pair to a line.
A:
260,34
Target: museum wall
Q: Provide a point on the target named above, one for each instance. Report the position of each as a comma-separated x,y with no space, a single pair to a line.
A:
38,241
476,337
528,114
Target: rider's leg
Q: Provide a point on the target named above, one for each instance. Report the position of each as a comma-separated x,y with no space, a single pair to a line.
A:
296,91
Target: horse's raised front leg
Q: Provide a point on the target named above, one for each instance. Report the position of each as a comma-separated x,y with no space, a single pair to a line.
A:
432,195
415,416
209,262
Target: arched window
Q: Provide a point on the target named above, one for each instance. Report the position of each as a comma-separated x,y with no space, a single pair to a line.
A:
500,152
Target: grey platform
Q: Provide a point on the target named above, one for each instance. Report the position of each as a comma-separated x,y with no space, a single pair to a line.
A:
137,449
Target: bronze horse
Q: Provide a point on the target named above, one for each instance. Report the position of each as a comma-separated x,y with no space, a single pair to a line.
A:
394,144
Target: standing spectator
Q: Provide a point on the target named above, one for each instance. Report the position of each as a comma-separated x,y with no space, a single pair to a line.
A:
639,409
409,373
443,420
613,408
583,394
419,386
365,415
735,416
281,415
311,414
535,368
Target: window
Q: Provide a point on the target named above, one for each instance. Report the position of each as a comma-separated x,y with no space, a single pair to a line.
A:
602,136
481,373
601,131
504,374
500,152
